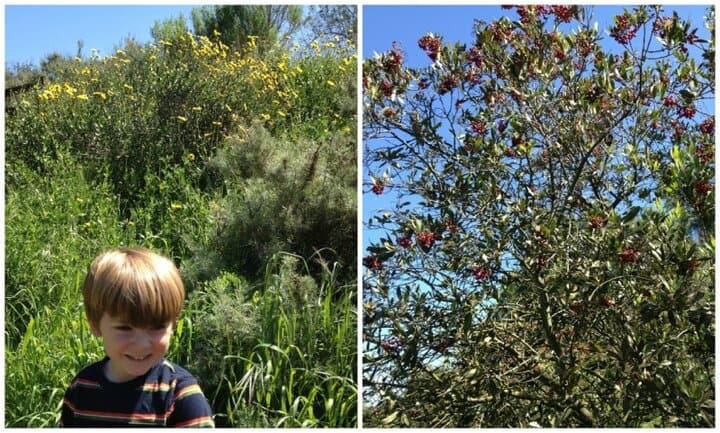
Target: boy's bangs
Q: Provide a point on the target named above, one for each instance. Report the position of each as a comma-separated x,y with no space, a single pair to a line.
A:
142,306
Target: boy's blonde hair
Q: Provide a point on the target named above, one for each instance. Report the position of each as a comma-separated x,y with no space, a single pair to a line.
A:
134,284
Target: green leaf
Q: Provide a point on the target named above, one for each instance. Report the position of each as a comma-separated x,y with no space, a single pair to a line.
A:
390,418
655,422
631,214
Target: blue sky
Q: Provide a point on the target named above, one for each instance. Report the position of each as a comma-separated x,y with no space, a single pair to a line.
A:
33,31
383,25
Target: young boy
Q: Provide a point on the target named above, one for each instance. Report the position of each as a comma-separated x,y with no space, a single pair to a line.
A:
133,298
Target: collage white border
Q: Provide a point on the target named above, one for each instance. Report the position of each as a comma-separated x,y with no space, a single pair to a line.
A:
359,47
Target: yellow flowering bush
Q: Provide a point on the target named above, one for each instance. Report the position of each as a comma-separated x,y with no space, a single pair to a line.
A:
148,105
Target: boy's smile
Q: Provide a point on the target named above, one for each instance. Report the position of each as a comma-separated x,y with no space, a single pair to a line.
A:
132,350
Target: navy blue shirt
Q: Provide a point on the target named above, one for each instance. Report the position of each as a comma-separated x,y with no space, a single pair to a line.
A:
167,395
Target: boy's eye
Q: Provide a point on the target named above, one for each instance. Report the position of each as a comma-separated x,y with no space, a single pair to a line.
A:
160,327
123,328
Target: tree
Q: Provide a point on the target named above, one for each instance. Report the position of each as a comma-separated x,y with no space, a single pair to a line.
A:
550,256
169,29
237,23
334,21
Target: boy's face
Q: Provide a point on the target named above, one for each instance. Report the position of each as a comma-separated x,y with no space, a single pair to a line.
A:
132,351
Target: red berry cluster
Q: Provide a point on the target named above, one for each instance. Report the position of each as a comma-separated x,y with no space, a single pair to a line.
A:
481,273
687,112
404,241
501,126
387,88
442,346
448,83
623,31
629,255
606,301
577,307
584,47
431,45
473,56
478,127
387,112
392,343
597,222
708,125
705,153
500,33
373,263
660,24
426,239
525,14
563,13
378,187
703,188
669,101
471,76
394,58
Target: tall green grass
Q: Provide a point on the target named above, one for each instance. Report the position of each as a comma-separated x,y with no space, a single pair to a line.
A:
293,361
279,352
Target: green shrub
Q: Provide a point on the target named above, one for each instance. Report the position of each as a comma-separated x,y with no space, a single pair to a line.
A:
280,195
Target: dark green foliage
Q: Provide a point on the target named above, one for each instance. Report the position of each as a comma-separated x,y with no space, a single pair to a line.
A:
281,195
236,24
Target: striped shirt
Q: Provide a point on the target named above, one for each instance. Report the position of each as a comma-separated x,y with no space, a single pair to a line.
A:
167,395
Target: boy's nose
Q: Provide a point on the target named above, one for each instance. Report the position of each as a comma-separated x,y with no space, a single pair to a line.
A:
143,339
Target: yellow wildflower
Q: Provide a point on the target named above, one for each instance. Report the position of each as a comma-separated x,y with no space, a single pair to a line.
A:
176,206
197,109
280,113
100,94
265,117
182,119
217,123
70,90
83,96
127,86
330,83
191,157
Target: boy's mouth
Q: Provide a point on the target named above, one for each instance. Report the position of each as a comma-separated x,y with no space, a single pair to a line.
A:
138,358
